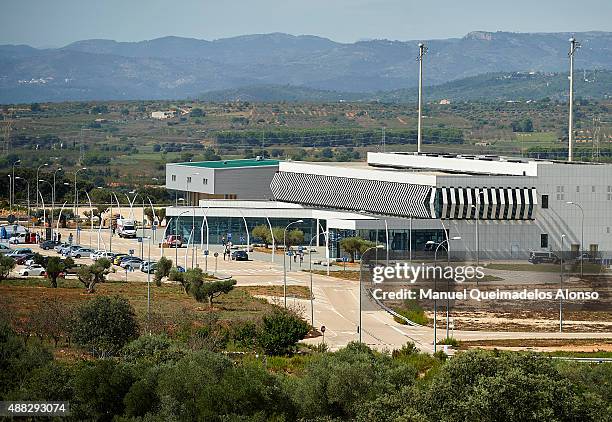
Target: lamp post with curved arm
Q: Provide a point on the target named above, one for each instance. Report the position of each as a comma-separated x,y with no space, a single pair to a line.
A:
581,236
447,242
176,237
12,187
28,183
310,268
37,177
363,255
44,210
76,192
285,260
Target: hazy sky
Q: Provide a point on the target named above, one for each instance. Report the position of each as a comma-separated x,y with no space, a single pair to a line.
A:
59,22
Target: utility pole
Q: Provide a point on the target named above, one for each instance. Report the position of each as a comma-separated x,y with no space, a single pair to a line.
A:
384,140
422,52
574,45
596,153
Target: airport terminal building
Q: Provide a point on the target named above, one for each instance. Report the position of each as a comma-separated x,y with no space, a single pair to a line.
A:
502,207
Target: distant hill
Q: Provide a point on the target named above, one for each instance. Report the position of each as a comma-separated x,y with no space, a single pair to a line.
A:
494,87
174,67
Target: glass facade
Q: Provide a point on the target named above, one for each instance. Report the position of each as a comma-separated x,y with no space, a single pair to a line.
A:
232,228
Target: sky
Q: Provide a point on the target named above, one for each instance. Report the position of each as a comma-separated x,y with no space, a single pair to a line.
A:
55,23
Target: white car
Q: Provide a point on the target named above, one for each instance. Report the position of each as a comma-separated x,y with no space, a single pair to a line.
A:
34,269
101,254
29,262
17,238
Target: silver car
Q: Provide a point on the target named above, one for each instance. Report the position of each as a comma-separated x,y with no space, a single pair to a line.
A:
79,252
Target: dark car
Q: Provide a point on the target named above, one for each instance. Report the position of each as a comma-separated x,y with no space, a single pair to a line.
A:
543,258
48,244
20,259
240,256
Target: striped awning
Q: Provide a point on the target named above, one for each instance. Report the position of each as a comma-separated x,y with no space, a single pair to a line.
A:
486,203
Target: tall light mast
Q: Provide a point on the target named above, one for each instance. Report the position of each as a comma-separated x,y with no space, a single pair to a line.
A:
574,45
422,52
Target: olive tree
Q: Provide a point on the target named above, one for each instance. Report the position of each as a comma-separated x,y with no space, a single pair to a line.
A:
7,264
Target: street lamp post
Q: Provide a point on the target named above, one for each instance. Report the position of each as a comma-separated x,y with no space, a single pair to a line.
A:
37,177
561,286
44,211
285,260
28,183
12,186
53,197
447,241
310,268
76,192
360,326
176,237
581,236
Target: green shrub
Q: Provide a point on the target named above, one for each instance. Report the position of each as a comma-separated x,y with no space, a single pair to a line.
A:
280,331
104,325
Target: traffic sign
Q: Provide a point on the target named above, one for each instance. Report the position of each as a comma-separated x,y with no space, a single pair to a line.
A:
290,253
206,252
216,254
139,239
11,219
345,258
131,251
229,236
242,239
154,227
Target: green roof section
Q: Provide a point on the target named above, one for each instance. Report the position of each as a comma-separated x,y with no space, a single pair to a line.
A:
228,164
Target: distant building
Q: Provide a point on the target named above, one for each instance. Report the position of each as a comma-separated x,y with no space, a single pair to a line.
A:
445,102
161,115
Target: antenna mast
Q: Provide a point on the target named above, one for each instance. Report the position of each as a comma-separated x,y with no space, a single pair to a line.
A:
574,45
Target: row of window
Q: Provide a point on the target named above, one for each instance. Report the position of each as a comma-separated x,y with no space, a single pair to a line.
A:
204,180
561,197
561,189
544,242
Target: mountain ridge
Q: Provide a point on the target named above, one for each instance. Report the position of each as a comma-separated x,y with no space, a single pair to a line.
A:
178,67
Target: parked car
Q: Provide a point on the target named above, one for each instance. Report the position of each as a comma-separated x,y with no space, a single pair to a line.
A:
58,247
240,256
79,252
22,258
4,249
19,252
102,254
48,244
18,238
67,250
148,266
536,257
73,269
174,241
131,264
118,257
34,269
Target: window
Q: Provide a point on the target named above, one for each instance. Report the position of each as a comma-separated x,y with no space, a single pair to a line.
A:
608,230
577,189
544,201
544,240
174,177
188,179
593,189
205,181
